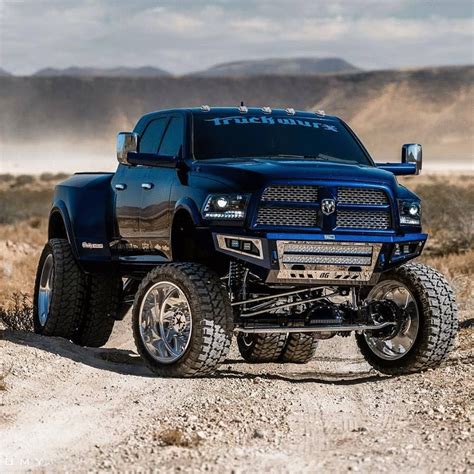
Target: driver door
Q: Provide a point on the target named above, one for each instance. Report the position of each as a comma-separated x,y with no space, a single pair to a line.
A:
130,182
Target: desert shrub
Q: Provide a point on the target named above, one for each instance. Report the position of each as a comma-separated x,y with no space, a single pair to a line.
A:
177,437
53,176
448,215
24,179
18,205
17,314
458,269
61,176
46,177
6,178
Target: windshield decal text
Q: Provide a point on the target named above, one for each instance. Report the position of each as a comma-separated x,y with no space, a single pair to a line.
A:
263,120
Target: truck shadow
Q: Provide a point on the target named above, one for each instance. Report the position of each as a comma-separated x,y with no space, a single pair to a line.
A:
126,362
121,361
317,375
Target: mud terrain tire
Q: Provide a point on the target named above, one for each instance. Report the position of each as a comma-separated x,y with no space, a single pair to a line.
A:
100,310
262,347
68,291
300,348
438,322
211,314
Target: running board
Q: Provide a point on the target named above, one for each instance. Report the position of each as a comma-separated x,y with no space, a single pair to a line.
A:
332,328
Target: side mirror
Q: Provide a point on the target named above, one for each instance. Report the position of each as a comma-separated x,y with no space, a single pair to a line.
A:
126,142
412,153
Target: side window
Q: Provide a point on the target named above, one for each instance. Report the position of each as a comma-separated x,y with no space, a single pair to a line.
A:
151,138
173,138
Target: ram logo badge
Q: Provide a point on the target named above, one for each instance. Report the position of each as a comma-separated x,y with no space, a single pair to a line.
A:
328,206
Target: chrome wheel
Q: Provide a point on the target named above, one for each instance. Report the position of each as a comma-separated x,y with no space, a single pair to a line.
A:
45,292
397,345
247,340
165,322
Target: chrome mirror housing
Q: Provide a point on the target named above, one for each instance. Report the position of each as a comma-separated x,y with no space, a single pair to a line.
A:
412,153
126,142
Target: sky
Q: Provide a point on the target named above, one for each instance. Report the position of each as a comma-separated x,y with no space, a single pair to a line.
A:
188,35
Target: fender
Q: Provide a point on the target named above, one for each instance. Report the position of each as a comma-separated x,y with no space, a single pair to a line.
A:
59,208
86,203
190,206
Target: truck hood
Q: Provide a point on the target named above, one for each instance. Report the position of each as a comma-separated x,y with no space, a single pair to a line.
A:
254,173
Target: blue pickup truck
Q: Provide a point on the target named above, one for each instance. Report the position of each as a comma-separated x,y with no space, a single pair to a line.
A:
274,225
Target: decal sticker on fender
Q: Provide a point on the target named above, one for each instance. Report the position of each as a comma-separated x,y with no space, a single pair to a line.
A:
90,245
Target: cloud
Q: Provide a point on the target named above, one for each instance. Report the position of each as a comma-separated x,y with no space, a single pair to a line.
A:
189,35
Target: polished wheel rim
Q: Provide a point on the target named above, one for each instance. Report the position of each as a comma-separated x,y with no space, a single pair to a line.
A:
400,342
247,339
45,289
165,322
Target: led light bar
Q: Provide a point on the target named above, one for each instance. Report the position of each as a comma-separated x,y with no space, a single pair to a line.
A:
328,249
327,259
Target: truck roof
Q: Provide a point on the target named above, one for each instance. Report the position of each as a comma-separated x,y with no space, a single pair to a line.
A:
208,110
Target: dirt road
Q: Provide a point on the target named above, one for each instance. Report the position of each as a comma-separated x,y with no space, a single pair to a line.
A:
70,408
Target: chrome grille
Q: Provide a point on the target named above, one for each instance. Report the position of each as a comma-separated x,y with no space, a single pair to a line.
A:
287,216
285,193
367,196
356,219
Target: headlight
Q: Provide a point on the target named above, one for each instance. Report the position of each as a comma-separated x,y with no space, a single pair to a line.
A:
410,212
225,206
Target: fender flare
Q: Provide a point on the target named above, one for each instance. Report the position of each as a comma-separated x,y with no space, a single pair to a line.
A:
59,207
190,206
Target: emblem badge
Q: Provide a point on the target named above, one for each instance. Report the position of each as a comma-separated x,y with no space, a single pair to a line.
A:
328,206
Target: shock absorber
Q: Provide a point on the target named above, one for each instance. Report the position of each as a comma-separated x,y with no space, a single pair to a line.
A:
237,279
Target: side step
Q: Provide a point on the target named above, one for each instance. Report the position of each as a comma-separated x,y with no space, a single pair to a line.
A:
332,328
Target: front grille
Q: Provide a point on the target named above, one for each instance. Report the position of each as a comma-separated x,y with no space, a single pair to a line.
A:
287,216
356,219
364,196
287,205
285,193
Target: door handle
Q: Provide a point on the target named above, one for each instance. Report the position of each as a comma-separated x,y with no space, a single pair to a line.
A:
120,186
147,186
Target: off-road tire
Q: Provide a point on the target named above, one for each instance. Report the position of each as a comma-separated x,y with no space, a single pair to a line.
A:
300,348
100,310
261,347
212,320
438,322
69,291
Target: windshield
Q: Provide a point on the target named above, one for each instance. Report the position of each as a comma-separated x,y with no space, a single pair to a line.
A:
239,136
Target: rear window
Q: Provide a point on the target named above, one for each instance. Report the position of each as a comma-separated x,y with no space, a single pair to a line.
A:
238,136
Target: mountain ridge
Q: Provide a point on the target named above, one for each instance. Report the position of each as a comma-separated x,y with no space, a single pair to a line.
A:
298,66
119,71
432,106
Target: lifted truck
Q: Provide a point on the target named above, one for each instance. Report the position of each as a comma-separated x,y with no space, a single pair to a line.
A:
275,225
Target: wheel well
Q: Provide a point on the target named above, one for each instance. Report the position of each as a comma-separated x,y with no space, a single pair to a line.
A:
189,244
56,228
183,237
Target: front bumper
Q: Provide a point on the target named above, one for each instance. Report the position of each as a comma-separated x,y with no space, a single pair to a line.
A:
291,258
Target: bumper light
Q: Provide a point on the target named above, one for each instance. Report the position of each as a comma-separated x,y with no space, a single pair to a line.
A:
244,246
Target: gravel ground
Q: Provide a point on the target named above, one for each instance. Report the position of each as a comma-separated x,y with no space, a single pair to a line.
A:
67,408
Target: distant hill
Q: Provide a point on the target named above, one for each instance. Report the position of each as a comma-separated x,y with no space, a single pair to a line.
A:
4,73
432,106
145,71
279,67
